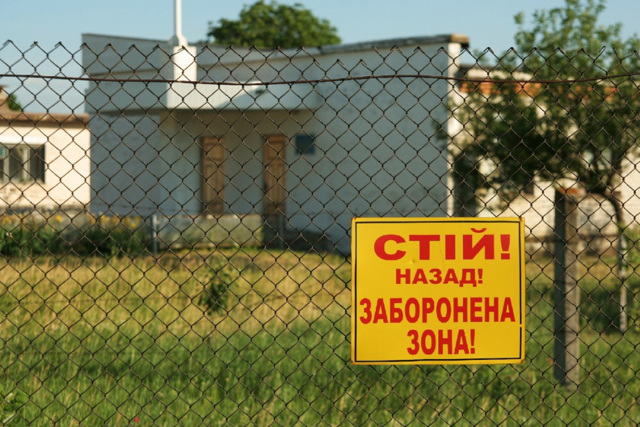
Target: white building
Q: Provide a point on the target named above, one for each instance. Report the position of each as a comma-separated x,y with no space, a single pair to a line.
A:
44,160
306,157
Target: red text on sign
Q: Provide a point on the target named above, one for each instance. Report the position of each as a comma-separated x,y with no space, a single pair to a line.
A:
392,247
420,310
442,341
435,276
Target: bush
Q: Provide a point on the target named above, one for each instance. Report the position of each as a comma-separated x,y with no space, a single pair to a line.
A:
30,239
83,235
117,241
221,276
12,241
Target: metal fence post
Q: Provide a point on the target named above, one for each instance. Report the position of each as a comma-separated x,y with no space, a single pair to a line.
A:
154,233
566,292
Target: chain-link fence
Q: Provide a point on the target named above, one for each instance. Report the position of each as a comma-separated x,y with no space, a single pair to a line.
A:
179,252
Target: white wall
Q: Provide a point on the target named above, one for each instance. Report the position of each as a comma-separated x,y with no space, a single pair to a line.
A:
376,151
66,182
124,159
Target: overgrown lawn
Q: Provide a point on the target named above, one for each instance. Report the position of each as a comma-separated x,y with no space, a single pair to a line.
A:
97,341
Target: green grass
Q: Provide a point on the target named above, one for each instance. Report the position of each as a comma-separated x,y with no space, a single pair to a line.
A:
95,341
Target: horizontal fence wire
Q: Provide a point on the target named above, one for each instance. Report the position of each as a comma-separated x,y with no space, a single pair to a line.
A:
327,80
180,252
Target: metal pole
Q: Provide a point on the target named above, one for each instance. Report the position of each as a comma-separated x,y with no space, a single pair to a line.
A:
178,39
566,293
154,233
177,6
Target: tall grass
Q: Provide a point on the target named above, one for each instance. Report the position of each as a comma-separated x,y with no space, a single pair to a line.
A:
97,341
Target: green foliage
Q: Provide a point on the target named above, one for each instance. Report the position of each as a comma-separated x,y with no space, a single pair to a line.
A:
221,276
10,404
106,237
272,25
13,103
30,240
582,130
116,241
570,42
12,241
573,122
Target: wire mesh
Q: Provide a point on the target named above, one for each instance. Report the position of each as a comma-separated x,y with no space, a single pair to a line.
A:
175,229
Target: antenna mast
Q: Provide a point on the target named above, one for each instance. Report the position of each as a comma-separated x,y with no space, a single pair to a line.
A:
178,39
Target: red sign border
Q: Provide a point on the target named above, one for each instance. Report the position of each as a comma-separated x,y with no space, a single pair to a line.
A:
354,307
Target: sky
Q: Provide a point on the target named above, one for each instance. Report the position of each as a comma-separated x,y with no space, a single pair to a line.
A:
47,22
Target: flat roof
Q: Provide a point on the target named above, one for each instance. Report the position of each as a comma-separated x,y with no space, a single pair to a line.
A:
405,41
348,47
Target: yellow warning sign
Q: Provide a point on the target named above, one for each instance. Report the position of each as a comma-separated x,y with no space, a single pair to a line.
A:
438,291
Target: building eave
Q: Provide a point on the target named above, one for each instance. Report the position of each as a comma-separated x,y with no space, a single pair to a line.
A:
38,119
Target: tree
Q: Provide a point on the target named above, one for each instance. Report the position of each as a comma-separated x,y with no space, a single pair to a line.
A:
273,25
13,103
581,129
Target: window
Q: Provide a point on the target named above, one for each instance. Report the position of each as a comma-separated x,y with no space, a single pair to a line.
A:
529,189
305,144
22,163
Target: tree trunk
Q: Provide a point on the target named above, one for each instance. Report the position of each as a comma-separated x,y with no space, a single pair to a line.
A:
622,264
466,183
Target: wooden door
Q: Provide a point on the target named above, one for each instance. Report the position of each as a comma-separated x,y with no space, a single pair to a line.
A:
275,169
275,191
213,154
